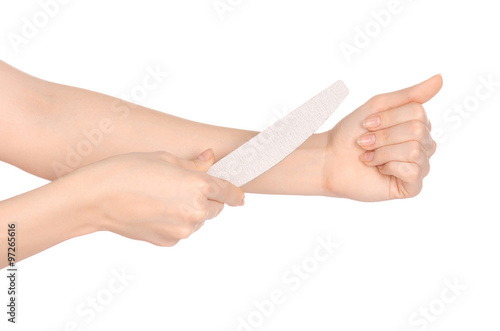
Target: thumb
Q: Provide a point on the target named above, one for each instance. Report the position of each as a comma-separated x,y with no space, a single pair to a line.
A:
205,160
420,93
426,90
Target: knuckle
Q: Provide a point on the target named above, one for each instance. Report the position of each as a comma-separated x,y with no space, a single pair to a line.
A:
429,145
197,216
212,189
203,184
220,209
215,212
418,112
376,103
172,243
199,200
414,145
418,130
416,190
414,175
380,154
198,226
381,137
387,117
165,242
410,173
417,155
183,232
426,171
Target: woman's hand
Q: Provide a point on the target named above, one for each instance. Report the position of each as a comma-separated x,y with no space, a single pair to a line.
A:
155,197
381,150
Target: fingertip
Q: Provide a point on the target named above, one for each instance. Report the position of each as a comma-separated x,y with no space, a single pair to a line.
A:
240,198
367,156
207,155
366,141
372,123
205,160
439,79
431,87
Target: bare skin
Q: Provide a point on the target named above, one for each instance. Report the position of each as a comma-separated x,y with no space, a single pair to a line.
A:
108,149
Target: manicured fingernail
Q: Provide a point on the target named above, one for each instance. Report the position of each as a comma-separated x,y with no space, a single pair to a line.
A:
366,140
372,122
368,156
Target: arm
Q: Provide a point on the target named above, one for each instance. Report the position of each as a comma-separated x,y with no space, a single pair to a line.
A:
380,151
43,217
155,197
60,128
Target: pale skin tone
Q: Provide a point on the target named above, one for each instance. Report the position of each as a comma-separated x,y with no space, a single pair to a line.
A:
146,178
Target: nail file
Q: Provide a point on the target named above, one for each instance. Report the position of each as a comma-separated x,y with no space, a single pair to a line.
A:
272,145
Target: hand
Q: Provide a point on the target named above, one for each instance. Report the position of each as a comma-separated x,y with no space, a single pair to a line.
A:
381,150
155,197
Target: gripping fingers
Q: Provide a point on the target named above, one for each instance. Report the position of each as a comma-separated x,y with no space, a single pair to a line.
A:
223,191
408,152
410,112
214,209
405,132
406,171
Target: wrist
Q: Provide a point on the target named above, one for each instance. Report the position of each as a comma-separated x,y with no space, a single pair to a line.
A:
311,157
328,187
300,173
78,204
48,216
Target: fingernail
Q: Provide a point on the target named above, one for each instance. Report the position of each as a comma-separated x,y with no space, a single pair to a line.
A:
242,201
368,156
372,122
366,140
205,155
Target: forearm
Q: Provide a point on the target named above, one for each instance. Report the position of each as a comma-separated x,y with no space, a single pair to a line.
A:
43,218
65,128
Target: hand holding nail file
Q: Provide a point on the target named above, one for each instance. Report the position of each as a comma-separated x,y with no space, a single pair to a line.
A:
272,145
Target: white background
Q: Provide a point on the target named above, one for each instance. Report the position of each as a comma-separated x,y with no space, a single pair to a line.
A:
264,56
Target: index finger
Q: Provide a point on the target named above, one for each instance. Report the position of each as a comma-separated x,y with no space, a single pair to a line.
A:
396,116
420,93
223,191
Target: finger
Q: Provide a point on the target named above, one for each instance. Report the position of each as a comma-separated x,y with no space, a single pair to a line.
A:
408,131
385,119
405,152
407,172
420,93
214,209
204,161
223,191
198,226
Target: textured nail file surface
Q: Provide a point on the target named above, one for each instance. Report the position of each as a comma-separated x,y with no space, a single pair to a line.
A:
272,145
